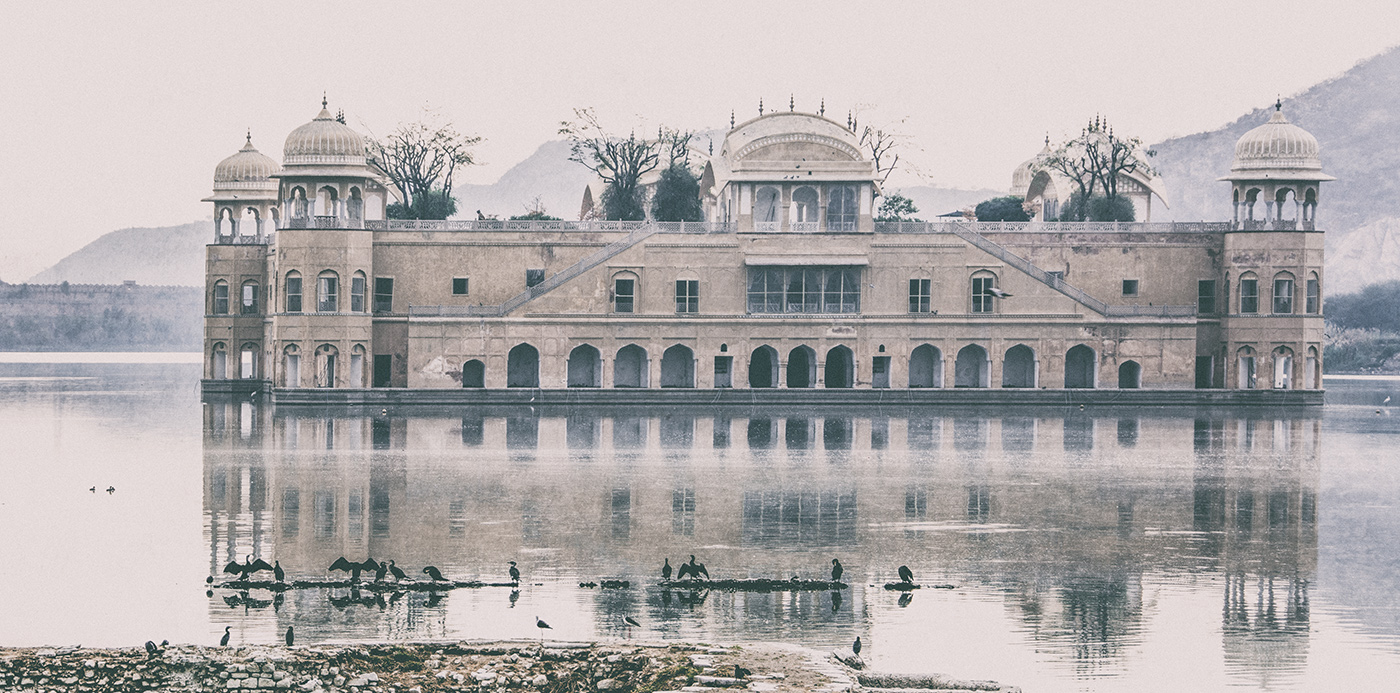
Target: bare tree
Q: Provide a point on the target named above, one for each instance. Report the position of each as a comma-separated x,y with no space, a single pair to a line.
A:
1095,160
619,161
882,146
420,159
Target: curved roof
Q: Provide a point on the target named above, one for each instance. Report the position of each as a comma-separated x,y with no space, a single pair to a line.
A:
248,165
324,141
787,145
1277,149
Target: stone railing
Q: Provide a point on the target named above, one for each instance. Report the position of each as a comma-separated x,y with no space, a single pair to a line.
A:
985,227
1275,225
325,222
265,239
586,226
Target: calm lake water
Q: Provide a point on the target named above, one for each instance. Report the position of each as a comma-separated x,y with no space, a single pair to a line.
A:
1108,549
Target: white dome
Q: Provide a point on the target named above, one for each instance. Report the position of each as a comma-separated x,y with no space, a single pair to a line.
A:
247,166
1277,149
324,141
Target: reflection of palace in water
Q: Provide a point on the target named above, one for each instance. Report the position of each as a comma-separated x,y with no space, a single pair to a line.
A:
1063,513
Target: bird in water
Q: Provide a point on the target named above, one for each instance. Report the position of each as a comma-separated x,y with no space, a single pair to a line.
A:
666,570
631,621
539,623
434,573
514,572
247,567
397,572
905,574
277,572
856,647
209,580
223,642
289,636
836,570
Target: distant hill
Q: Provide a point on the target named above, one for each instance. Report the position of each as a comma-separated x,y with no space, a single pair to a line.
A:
161,256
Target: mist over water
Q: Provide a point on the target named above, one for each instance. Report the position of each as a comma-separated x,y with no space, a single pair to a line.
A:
1105,549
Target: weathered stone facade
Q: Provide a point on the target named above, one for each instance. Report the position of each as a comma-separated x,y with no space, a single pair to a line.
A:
791,283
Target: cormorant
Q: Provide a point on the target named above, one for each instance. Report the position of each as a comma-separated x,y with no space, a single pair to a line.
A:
740,672
151,649
277,572
434,573
539,623
836,570
209,580
289,636
381,571
666,570
695,569
905,574
223,642
514,572
354,568
396,571
247,567
856,647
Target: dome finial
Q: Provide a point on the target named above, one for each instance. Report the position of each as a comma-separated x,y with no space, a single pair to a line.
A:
323,99
822,112
731,119
249,140
790,103
1278,104
760,106
1047,138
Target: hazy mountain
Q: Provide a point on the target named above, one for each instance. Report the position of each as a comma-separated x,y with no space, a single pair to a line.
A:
163,256
547,174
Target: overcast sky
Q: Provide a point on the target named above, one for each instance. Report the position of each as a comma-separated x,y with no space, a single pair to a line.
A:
114,114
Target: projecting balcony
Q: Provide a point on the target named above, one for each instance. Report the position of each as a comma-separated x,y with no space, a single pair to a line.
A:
1275,225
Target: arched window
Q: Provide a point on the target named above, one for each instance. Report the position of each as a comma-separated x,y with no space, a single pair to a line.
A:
219,299
925,367
249,224
983,300
1283,293
223,216
1249,293
1281,201
624,293
1081,367
357,292
972,367
248,298
1313,301
1310,205
802,367
299,207
678,367
1283,368
357,366
218,361
473,374
1248,375
840,371
326,356
523,366
630,367
1312,372
326,202
766,209
1018,367
291,290
1129,375
806,209
763,367
355,206
841,209
584,366
328,292
291,366
248,360
1250,197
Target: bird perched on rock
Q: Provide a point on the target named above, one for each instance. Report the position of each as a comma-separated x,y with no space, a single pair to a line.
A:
856,647
693,569
277,572
247,567
354,568
836,570
151,649
514,572
905,574
397,572
289,636
381,571
741,673
666,570
539,623
223,642
434,573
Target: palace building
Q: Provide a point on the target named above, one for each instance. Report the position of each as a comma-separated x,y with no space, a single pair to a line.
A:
791,282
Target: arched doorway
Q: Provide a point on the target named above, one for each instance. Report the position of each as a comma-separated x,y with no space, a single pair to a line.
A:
325,365
1246,368
584,366
926,367
218,366
1312,379
473,374
1079,367
1129,375
630,367
840,367
1018,368
1283,368
523,366
763,367
802,367
972,368
678,367
291,366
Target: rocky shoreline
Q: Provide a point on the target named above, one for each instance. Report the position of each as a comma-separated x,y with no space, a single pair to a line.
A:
552,667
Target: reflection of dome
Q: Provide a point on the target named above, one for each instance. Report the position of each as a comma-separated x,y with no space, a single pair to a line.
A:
1277,149
324,141
247,166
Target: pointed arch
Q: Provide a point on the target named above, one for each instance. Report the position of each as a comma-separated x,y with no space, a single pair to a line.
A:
840,370
585,366
678,367
1019,367
763,367
1129,375
925,367
802,367
473,374
630,367
1081,365
523,366
972,368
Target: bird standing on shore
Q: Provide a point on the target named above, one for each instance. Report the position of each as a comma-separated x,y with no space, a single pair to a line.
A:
151,649
277,571
905,574
397,572
289,636
223,642
539,623
514,572
666,570
434,573
836,570
856,647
